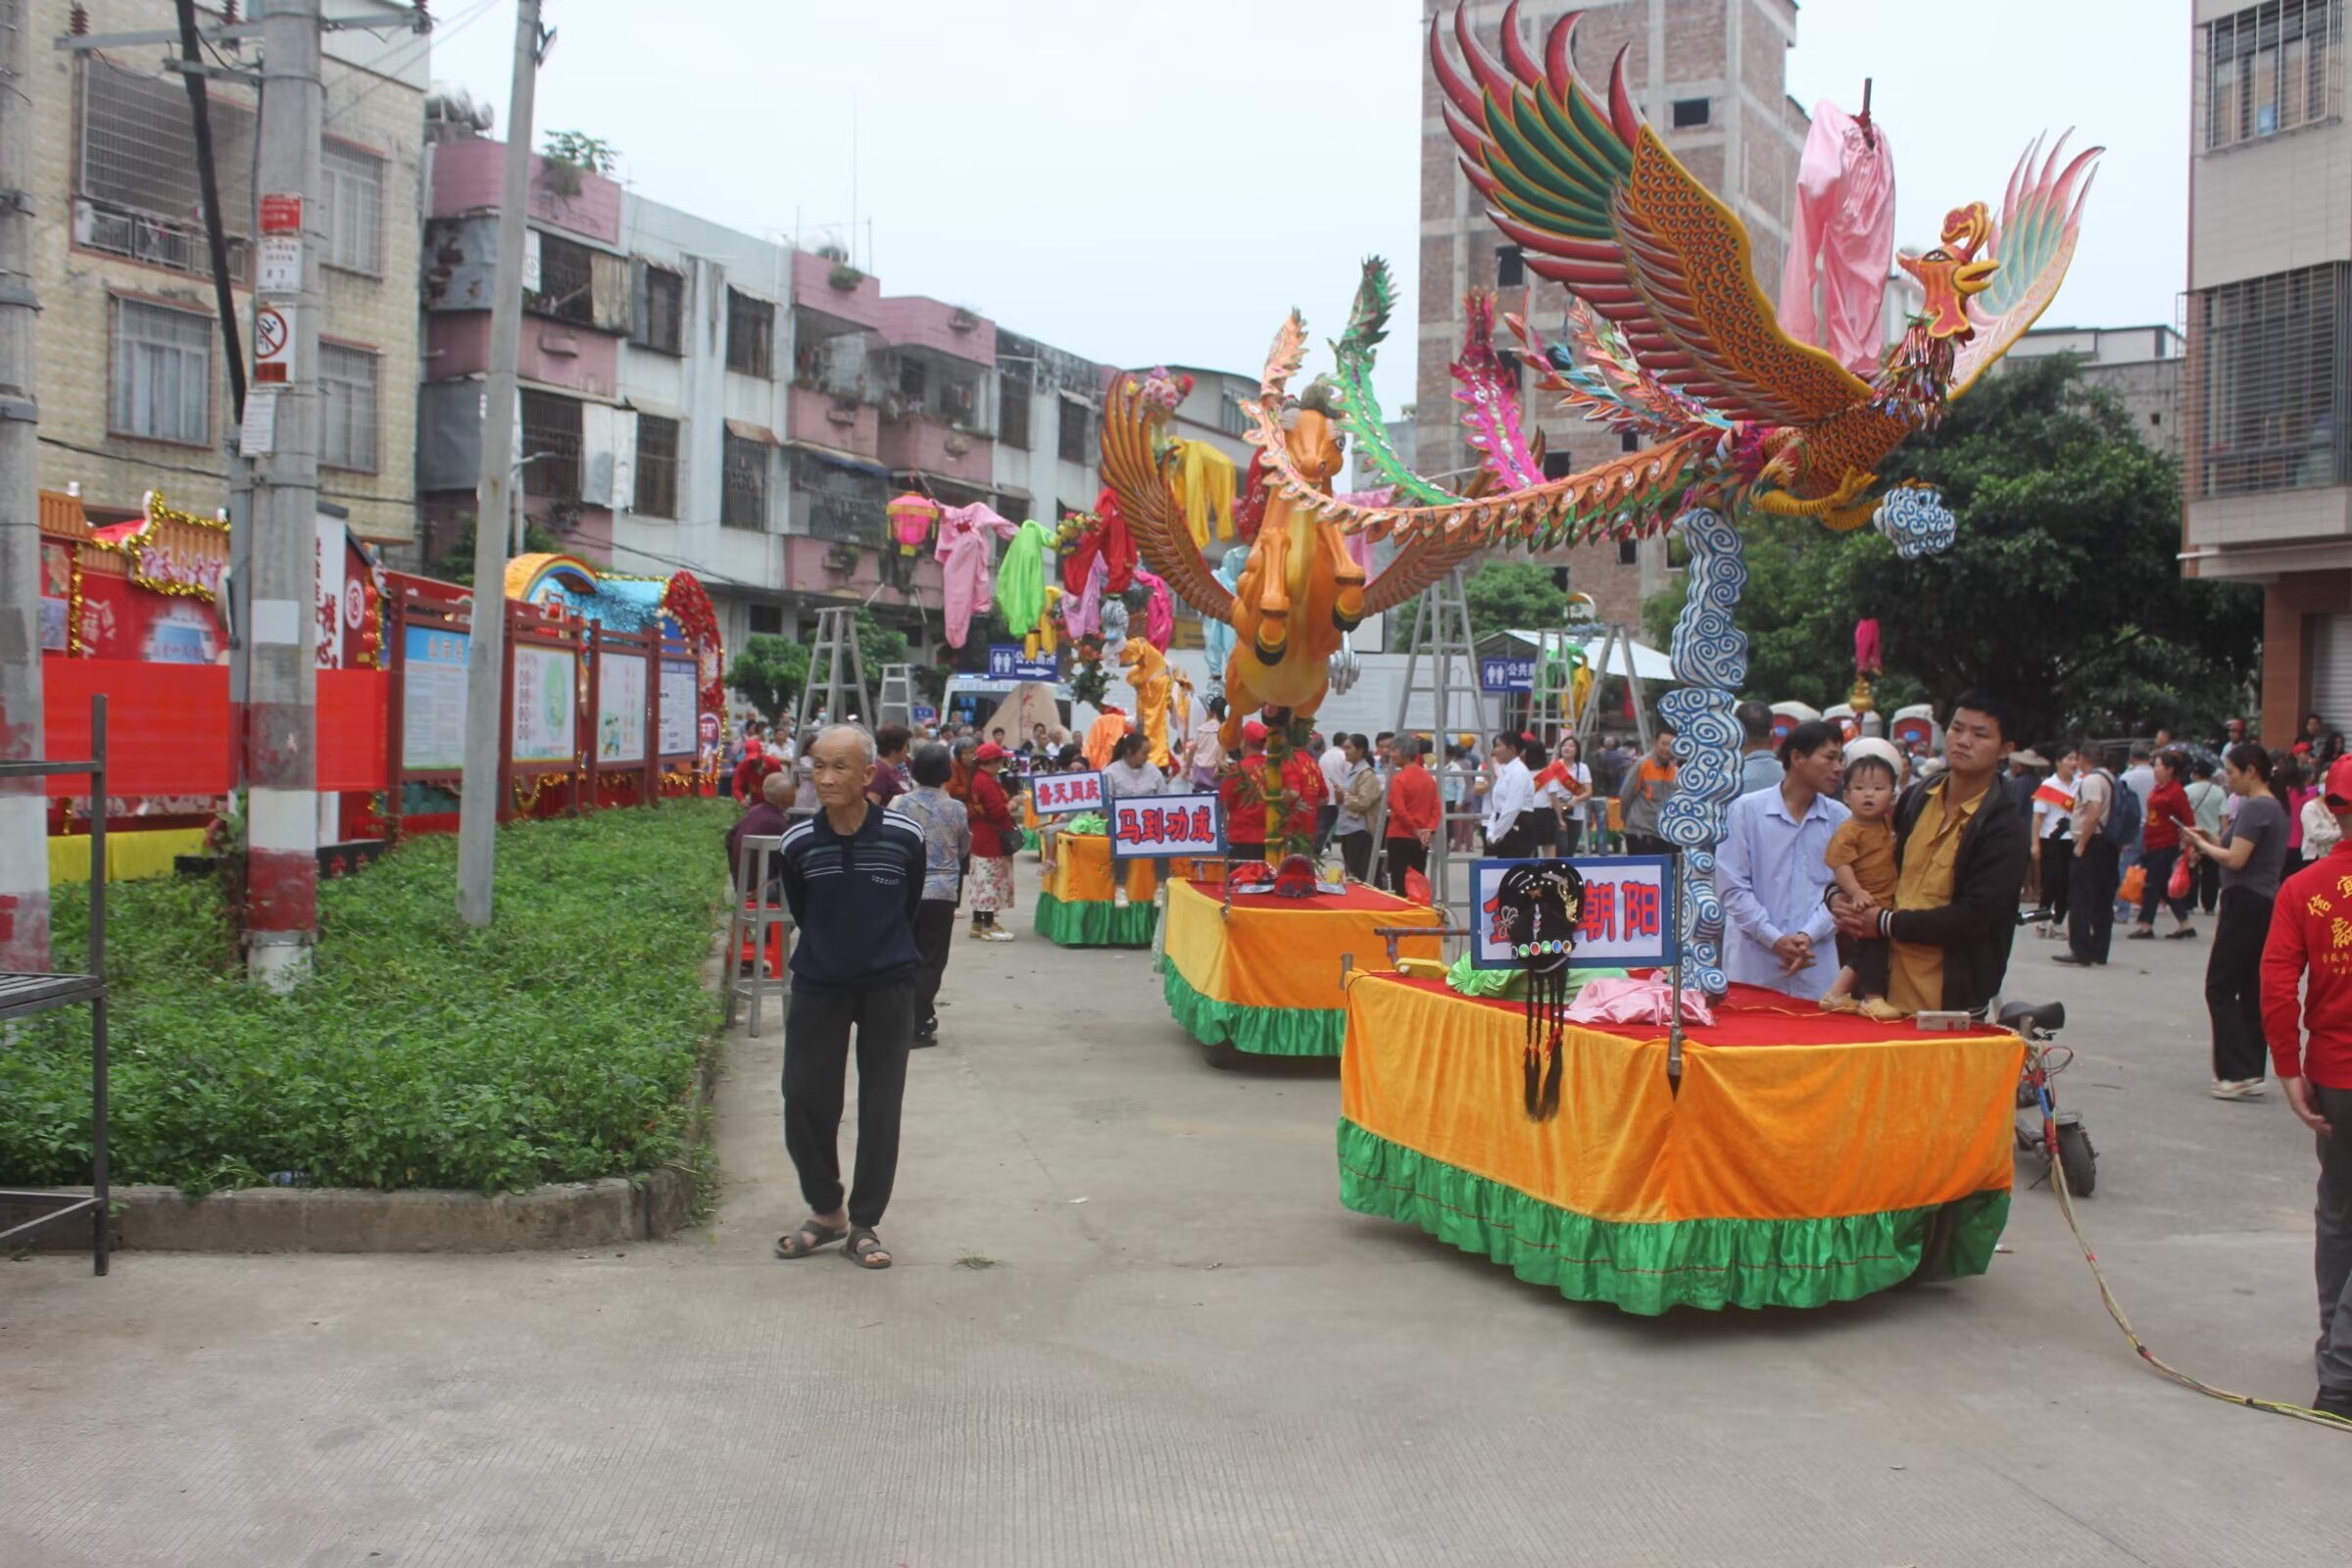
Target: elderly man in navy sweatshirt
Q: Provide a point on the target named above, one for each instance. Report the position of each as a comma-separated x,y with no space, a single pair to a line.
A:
853,876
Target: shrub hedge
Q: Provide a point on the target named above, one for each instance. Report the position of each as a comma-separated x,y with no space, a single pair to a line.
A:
559,1045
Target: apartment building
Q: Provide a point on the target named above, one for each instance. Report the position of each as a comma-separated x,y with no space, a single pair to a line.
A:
133,383
1710,76
2140,364
2268,382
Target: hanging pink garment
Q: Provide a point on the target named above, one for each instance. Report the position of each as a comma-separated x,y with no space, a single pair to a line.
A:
1160,616
1844,217
967,561
1866,647
1359,545
1082,611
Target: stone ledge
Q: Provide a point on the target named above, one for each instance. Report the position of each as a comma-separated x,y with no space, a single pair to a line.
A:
334,1219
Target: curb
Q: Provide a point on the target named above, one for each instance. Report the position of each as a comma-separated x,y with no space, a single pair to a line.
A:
330,1219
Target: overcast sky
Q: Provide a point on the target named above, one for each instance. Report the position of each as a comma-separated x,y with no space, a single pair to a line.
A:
1141,183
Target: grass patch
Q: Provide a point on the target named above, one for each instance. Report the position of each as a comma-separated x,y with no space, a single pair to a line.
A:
561,1044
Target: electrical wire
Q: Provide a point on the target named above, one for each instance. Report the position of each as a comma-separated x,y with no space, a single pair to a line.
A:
2115,1308
388,71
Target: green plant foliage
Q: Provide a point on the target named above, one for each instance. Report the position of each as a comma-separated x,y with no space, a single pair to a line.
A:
560,1045
590,153
2062,593
1503,596
769,673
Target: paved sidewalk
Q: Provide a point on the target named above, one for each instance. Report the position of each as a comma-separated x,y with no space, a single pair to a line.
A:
1132,1325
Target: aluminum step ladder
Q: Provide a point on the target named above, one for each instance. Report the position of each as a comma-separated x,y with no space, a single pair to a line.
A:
836,675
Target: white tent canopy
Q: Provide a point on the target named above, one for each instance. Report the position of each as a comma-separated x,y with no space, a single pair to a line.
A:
1647,662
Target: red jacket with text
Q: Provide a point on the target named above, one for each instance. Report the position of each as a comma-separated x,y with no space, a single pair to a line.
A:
2311,930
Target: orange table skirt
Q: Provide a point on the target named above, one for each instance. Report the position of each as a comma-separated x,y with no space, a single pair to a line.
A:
1787,1173
1084,873
1284,953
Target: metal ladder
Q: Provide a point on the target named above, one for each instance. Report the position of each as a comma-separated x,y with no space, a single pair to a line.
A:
1442,665
1616,643
897,704
843,700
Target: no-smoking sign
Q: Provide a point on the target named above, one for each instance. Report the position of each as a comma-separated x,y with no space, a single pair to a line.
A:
274,346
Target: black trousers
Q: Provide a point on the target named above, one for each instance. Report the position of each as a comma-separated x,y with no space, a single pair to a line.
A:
2233,985
2209,883
1644,844
1572,834
816,1060
2057,876
1405,855
1245,850
2159,864
1325,817
2091,903
1356,852
1517,844
934,939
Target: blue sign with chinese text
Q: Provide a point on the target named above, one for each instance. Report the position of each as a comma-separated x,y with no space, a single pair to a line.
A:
1511,675
1005,661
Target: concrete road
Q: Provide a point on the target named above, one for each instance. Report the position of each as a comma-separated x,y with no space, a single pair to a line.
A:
1132,1325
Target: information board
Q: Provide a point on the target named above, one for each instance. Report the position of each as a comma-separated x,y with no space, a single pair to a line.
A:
1151,827
619,707
545,703
1509,675
1627,921
1010,662
432,700
1062,793
677,708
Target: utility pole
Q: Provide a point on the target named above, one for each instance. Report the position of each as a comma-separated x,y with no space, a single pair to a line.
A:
279,702
24,807
485,654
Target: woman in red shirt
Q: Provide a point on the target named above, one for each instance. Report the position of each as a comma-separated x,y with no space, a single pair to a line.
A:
991,867
2169,811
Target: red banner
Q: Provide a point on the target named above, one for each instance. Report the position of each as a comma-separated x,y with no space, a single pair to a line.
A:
167,730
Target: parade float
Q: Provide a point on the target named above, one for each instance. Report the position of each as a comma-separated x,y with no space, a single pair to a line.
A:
1735,1149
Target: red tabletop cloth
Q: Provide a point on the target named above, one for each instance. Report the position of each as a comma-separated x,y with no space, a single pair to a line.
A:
1359,898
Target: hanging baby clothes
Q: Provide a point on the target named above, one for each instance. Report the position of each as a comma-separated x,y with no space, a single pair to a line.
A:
1866,647
1103,737
1202,478
1082,601
1147,673
1160,616
1216,636
1021,578
1844,216
965,554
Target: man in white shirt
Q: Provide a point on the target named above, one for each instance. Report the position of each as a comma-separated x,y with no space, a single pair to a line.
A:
1772,870
1760,768
1510,798
1334,763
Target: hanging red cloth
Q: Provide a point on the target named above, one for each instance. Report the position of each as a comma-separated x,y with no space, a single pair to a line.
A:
1109,539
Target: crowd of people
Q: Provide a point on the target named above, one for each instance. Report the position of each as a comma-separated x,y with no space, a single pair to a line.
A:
1857,873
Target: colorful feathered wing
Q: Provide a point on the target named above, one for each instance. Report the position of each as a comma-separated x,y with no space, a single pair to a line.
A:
2041,215
1155,520
1597,203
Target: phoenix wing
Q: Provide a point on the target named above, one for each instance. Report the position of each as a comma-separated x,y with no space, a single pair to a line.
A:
1153,520
1597,204
2041,215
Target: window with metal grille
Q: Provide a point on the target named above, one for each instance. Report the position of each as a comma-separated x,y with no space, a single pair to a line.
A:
1629,552
551,444
1510,267
163,374
959,402
664,311
743,504
138,148
2271,68
347,407
657,466
2274,386
352,185
1073,431
913,380
1013,410
766,621
1232,418
567,283
750,340
1558,465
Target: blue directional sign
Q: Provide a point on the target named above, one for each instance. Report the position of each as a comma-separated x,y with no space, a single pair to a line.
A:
1506,675
1005,661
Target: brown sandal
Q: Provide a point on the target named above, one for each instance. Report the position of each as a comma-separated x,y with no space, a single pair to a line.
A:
810,1238
865,1249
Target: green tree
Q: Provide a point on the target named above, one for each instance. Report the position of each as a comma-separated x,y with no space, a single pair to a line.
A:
2063,591
590,155
1514,596
770,671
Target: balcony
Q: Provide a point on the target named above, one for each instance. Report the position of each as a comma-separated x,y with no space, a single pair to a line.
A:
813,289
823,418
919,443
914,322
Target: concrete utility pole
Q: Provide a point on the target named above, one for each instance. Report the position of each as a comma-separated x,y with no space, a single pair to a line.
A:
24,816
281,767
486,656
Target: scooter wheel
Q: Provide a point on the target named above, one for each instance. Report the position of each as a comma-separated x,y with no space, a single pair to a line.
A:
2077,1160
